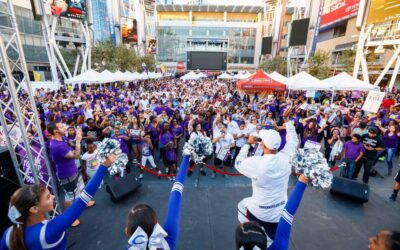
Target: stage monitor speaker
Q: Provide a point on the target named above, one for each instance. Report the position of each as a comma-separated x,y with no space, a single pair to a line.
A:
266,47
354,190
123,187
8,185
299,32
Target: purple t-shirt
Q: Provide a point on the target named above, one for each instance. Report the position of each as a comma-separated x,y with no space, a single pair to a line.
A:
146,150
390,141
353,150
65,167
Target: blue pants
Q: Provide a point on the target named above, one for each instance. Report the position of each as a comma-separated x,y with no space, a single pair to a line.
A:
389,157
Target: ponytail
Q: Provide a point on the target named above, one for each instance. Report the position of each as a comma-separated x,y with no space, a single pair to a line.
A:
23,199
17,238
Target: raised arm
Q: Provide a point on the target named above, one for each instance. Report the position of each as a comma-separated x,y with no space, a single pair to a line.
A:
281,241
55,228
172,220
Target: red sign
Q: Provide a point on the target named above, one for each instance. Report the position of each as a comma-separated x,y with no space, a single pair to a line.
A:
337,10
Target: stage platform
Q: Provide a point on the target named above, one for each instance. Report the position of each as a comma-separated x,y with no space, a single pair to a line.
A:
209,216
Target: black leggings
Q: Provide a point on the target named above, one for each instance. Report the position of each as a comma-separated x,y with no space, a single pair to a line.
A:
269,227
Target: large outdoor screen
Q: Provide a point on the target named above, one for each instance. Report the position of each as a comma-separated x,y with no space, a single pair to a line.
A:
206,60
69,8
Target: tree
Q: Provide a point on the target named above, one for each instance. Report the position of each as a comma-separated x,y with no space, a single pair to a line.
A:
347,58
318,65
277,64
107,56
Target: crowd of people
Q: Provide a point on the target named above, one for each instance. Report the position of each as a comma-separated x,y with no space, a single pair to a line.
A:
152,119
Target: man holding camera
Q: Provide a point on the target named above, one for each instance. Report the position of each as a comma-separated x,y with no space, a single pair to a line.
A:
269,174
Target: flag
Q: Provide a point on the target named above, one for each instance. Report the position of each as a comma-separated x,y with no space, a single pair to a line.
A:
36,76
162,68
145,69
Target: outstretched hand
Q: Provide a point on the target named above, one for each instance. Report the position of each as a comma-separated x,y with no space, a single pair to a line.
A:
110,160
303,178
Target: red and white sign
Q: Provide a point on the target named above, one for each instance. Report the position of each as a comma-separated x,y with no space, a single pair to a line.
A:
338,10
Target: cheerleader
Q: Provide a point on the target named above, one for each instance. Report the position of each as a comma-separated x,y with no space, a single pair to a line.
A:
28,208
142,226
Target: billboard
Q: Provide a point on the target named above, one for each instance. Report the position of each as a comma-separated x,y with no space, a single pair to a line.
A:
129,31
69,8
383,11
338,10
151,45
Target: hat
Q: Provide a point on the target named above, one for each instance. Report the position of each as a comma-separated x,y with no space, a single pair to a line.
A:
270,138
373,130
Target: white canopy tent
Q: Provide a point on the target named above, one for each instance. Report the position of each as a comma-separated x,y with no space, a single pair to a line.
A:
239,76
120,76
144,76
224,76
201,75
190,76
344,81
88,77
305,81
278,77
107,76
247,75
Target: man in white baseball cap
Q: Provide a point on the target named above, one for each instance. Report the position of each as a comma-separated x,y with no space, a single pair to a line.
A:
269,175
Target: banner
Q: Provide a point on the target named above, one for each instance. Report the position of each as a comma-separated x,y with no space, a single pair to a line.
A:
69,8
129,31
373,101
151,46
338,10
383,11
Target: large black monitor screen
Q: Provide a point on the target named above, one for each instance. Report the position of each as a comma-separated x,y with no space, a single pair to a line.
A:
299,32
207,60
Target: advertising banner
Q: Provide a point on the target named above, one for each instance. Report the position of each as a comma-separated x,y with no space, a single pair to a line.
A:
383,11
151,45
69,8
338,10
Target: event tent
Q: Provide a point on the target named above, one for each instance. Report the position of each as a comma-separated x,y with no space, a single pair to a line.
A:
261,83
88,77
305,81
224,76
120,76
344,81
190,76
201,75
107,76
240,76
278,77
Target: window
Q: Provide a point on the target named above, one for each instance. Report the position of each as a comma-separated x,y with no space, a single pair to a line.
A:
339,30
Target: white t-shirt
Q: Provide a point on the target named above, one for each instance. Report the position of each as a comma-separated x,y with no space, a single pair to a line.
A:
91,163
269,175
223,142
232,126
242,140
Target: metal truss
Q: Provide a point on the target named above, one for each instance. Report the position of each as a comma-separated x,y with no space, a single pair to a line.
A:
374,37
54,36
18,110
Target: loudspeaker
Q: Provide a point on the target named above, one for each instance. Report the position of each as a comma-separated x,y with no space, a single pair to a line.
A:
225,61
266,47
8,185
351,189
122,187
189,60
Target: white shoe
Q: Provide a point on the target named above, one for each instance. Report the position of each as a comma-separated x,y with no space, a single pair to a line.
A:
166,170
141,176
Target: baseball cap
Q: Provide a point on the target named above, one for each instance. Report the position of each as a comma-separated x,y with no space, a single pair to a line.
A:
270,138
373,130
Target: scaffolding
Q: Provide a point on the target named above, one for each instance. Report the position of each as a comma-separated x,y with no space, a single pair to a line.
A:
18,111
377,37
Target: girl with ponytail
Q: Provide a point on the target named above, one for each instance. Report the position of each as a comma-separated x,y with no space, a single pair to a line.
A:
28,208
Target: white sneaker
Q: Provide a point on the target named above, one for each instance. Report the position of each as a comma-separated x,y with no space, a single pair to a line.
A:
166,170
141,176
212,175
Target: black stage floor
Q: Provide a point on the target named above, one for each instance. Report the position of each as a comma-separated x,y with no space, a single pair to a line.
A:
209,216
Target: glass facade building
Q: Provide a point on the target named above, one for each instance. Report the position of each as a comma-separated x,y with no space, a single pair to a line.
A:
101,25
174,42
235,30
